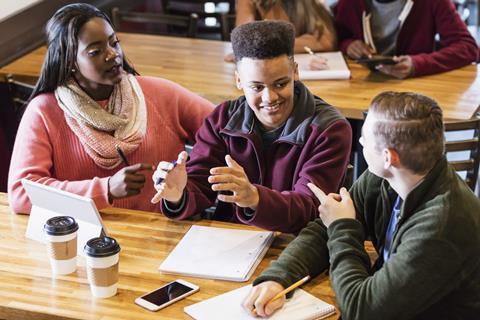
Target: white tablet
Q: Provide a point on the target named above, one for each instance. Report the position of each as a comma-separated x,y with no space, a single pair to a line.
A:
48,202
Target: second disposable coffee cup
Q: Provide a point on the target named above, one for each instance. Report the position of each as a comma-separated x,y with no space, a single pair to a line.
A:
102,255
61,239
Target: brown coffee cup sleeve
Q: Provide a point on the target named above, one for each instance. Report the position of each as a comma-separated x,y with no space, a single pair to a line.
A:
62,250
104,277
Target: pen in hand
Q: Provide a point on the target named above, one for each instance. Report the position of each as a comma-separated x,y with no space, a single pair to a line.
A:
160,179
285,291
309,51
317,62
122,155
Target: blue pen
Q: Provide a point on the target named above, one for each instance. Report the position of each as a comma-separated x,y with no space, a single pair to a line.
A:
160,179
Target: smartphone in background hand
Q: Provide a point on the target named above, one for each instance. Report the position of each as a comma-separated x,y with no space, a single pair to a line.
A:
376,60
166,295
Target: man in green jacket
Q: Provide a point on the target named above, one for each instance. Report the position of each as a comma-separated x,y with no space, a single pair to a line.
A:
421,217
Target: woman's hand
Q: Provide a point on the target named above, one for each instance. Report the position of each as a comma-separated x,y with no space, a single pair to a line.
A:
318,63
127,181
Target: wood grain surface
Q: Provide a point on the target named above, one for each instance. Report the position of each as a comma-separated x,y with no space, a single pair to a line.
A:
29,291
198,65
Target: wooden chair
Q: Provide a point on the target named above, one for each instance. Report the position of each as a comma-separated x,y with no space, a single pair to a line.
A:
469,145
227,23
220,30
19,93
188,23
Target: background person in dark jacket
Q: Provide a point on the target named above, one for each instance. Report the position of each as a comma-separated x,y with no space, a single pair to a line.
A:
422,219
406,29
256,154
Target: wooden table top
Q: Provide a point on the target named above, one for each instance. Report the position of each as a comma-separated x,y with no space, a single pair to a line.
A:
198,65
28,290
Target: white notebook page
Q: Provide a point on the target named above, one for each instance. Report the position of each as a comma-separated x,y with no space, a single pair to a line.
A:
218,253
302,306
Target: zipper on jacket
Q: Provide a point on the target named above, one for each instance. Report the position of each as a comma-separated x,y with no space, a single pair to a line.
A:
252,143
260,162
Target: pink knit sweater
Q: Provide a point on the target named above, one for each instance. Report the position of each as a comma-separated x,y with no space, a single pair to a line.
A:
47,151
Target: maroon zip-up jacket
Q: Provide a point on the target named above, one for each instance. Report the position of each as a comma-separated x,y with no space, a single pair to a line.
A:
417,35
313,147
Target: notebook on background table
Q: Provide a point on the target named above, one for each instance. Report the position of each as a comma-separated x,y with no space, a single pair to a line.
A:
337,67
302,306
218,253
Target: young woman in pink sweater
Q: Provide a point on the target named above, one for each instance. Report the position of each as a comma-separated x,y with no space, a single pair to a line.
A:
87,101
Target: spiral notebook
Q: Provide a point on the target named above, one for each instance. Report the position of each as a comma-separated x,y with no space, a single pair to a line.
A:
302,306
218,253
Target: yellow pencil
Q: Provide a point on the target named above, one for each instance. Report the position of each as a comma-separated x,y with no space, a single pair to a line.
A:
285,291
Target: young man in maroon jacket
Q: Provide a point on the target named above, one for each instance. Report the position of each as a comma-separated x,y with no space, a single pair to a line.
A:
405,29
256,154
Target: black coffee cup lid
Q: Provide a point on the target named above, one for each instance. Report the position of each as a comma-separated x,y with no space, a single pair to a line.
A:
61,225
101,247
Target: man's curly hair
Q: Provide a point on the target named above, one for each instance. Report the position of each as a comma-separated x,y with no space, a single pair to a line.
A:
263,40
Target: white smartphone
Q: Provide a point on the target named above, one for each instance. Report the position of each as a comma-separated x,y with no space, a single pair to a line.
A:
166,295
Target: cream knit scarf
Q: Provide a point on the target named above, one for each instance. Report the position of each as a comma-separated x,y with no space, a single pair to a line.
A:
122,122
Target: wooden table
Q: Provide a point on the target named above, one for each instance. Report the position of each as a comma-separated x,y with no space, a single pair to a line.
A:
28,290
198,65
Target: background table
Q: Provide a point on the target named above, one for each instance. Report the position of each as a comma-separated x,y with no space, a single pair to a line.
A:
28,290
198,65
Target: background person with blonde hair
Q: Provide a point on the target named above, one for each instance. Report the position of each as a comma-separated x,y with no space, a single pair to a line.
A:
312,20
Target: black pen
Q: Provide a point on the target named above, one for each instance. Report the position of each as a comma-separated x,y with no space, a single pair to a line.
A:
122,155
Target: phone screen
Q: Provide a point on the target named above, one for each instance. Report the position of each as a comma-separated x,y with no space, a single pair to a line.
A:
165,294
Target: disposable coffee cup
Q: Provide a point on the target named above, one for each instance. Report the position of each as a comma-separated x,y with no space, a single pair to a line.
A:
102,255
61,239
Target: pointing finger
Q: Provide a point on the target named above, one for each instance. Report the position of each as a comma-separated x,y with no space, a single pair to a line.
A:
317,192
130,177
344,194
138,166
